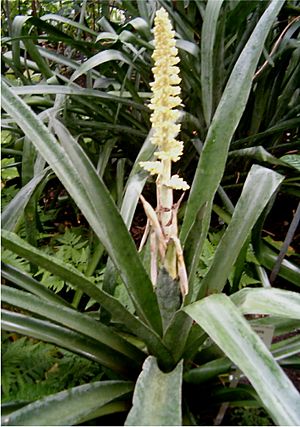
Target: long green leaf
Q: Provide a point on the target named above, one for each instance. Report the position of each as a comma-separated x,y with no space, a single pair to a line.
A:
276,129
136,181
15,209
70,340
101,212
79,281
192,250
275,302
227,116
208,370
59,18
133,189
268,257
71,406
140,289
29,284
35,55
221,319
72,319
208,35
100,58
258,189
286,348
258,153
157,397
18,28
73,90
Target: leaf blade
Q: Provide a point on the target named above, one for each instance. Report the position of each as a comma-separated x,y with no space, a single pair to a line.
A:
226,118
68,339
157,396
70,406
78,280
208,34
72,319
107,223
272,301
219,317
100,58
259,187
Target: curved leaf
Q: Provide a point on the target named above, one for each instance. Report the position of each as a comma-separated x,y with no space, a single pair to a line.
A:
226,118
208,35
33,51
208,370
70,340
141,26
157,397
71,406
221,319
17,28
72,319
257,191
41,89
78,280
286,348
15,209
258,153
59,18
268,257
98,59
189,47
92,197
29,284
108,409
292,160
272,301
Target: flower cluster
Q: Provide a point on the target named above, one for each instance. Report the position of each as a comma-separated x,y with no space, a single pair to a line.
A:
165,245
165,99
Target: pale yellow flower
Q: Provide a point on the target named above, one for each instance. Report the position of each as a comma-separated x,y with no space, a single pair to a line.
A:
164,103
166,97
155,168
177,183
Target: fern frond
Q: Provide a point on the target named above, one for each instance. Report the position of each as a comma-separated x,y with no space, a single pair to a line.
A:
32,369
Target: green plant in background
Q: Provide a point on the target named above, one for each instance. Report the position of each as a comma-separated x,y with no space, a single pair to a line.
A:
250,417
155,353
32,370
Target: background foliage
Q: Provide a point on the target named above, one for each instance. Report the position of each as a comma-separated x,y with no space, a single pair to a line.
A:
75,126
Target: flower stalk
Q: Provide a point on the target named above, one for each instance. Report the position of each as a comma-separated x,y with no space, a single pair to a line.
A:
166,90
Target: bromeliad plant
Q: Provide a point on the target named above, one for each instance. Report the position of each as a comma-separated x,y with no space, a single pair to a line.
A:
151,351
166,90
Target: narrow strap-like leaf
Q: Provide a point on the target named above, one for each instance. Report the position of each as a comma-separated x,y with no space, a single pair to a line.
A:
208,34
69,407
227,116
72,319
221,319
258,189
272,301
92,197
78,280
70,340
